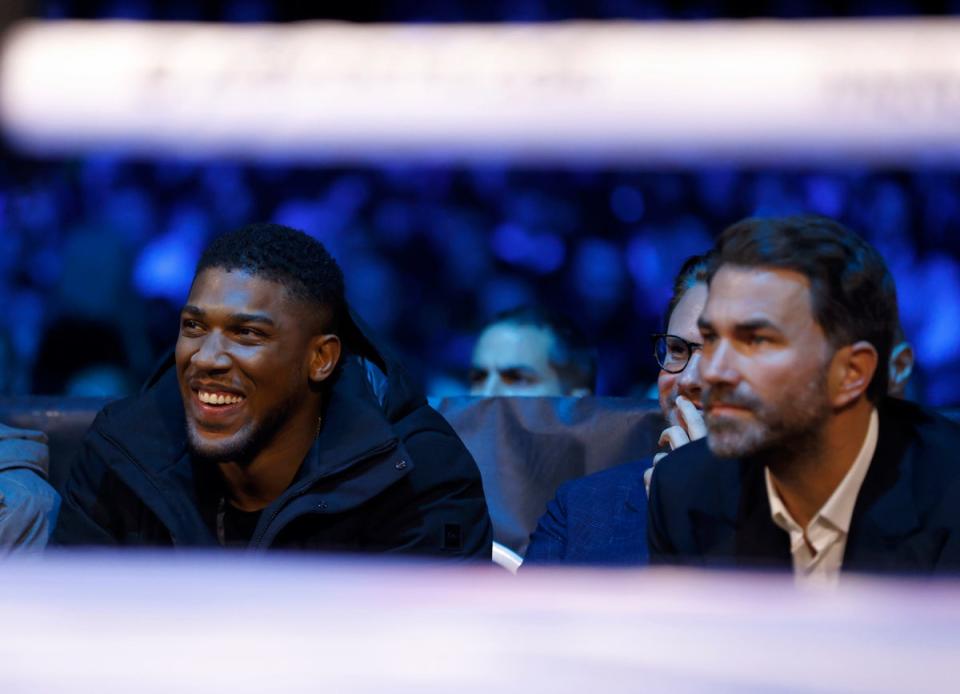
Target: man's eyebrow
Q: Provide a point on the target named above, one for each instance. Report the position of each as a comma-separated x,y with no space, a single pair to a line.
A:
234,317
251,318
758,324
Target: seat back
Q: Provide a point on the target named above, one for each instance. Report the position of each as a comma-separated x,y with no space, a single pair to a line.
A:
527,447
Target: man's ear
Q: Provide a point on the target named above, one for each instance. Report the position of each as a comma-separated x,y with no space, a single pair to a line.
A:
324,355
851,371
901,366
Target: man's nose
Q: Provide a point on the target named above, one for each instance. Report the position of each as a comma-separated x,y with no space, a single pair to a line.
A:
690,382
493,386
211,354
718,364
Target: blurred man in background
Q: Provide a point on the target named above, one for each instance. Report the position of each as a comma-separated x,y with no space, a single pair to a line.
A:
531,351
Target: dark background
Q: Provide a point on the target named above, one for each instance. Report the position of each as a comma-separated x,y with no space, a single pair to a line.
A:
97,252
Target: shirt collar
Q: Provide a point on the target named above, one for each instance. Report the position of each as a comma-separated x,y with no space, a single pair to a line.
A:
838,510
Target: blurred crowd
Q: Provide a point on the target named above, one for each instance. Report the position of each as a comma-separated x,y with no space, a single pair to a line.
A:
96,255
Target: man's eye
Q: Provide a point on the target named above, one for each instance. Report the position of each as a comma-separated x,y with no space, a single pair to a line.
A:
189,324
477,376
516,377
248,332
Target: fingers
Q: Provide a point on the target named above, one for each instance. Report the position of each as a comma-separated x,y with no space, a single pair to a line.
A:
673,437
691,418
648,475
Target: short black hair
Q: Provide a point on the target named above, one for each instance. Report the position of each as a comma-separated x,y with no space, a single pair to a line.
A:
572,355
287,256
853,293
693,271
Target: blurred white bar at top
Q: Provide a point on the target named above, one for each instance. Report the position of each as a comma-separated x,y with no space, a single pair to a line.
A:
621,93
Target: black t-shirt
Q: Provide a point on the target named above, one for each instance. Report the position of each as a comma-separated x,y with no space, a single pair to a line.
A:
238,526
232,527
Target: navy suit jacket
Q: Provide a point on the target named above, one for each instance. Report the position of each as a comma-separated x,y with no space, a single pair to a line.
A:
597,519
707,511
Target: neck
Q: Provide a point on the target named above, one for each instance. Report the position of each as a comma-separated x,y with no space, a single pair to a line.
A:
806,476
255,485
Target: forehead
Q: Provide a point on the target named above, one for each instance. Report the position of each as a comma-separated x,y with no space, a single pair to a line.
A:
741,295
683,320
217,289
506,344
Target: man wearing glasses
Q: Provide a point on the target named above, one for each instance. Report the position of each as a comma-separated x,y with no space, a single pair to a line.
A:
601,518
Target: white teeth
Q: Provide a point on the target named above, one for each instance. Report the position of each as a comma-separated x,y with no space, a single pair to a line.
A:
209,398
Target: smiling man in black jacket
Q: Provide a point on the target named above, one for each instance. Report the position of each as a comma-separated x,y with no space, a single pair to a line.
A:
279,425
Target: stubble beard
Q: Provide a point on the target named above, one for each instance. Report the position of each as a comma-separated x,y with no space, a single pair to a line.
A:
244,445
788,428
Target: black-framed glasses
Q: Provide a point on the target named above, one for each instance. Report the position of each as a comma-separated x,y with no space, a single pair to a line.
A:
673,353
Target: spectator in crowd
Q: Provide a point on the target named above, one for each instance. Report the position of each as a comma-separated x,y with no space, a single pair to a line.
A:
81,357
28,504
278,425
601,518
531,351
808,463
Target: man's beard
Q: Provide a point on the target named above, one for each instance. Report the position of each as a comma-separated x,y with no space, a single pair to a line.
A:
244,445
784,429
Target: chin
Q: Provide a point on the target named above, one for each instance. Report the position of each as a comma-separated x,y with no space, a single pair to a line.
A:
730,439
222,449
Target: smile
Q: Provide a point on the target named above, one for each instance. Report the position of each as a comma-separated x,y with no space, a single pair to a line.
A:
219,399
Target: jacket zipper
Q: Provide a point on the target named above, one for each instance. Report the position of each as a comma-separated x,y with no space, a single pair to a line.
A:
305,486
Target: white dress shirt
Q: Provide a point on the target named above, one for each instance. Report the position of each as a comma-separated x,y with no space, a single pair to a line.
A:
818,550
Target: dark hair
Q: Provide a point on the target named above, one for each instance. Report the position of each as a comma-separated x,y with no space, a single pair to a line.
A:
693,270
853,294
287,256
572,355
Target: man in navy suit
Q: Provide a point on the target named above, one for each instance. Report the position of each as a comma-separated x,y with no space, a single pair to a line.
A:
601,518
808,464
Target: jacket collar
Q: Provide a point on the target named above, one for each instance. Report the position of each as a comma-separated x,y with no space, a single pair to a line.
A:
731,518
886,509
353,424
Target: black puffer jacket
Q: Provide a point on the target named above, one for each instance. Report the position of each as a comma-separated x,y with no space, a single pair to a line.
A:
386,474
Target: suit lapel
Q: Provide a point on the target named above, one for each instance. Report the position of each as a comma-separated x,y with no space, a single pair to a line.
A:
731,520
885,513
759,542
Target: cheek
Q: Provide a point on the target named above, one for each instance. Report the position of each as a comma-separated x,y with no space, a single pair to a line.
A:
666,384
182,353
